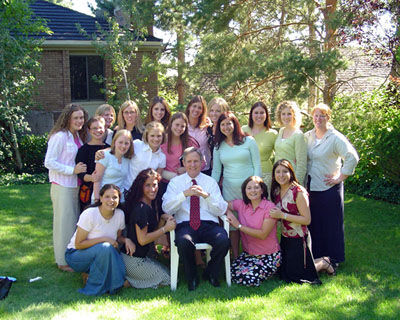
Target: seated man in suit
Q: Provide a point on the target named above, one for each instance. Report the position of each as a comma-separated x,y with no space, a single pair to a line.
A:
196,201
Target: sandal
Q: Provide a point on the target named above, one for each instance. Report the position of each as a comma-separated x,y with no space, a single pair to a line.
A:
330,265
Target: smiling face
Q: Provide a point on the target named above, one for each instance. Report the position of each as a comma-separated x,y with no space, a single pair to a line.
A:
195,110
96,130
76,121
108,118
130,115
110,199
287,117
122,144
227,127
158,112
259,116
154,139
253,191
282,175
178,127
150,189
192,164
215,112
320,120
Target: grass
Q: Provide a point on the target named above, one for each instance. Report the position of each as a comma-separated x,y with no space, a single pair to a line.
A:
367,285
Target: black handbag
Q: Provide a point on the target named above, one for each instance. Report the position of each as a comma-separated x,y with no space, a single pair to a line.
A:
5,286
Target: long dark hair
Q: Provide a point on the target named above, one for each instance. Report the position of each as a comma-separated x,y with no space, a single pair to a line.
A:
135,193
238,135
185,137
256,179
267,122
275,186
101,193
202,121
167,115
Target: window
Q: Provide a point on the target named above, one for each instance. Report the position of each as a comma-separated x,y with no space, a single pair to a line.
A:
82,70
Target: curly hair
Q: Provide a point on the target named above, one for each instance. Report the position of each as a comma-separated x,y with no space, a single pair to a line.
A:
292,105
62,123
135,192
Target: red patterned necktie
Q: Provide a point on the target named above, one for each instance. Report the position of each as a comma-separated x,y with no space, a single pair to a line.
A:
194,210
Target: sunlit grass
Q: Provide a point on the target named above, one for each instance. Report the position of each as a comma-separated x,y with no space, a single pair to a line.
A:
367,285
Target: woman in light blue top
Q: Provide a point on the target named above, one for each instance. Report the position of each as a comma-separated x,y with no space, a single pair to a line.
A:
290,143
240,158
114,168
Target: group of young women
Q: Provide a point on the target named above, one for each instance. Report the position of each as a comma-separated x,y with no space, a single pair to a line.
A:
262,174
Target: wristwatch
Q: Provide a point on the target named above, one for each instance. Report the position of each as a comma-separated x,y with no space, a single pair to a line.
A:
239,226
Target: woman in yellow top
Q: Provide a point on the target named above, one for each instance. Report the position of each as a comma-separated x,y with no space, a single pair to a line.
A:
260,128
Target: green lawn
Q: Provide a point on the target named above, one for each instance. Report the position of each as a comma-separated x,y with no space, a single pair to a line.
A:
367,285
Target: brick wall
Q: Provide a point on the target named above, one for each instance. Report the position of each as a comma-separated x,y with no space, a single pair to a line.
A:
54,90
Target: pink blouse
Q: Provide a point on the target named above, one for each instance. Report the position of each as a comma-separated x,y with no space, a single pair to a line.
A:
173,159
201,137
254,219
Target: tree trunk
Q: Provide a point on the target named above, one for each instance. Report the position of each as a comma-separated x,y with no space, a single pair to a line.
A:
330,44
181,66
312,88
16,148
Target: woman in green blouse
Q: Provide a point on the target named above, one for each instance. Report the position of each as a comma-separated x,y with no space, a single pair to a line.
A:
291,143
260,128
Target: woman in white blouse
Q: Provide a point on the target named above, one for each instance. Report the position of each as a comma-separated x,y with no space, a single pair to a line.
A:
331,159
66,137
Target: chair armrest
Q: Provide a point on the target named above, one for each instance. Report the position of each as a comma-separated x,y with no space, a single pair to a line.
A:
224,219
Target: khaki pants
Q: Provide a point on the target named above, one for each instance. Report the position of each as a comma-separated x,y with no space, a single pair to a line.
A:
65,216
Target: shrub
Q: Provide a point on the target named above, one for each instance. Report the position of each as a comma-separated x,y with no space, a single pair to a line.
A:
9,179
371,121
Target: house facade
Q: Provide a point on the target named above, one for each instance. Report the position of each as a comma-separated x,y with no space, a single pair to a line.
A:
69,61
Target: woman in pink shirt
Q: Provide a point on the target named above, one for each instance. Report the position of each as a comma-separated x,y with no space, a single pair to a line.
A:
196,112
261,254
66,137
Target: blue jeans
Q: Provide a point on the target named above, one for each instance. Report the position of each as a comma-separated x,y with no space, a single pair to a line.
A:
103,263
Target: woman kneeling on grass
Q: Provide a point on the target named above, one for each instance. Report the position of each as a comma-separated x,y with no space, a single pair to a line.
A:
293,209
143,228
261,257
93,248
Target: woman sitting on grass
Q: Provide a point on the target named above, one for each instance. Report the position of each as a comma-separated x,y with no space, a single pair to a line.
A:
143,228
293,209
93,248
261,255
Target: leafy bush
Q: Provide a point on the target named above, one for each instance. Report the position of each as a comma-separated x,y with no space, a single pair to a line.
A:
371,121
33,151
9,179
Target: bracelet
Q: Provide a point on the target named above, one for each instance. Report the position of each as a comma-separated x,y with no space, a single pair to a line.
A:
285,216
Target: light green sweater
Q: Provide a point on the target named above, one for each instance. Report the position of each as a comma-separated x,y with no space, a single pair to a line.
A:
293,149
265,142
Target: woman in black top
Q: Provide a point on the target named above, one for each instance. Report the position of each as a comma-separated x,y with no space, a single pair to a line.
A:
96,126
143,228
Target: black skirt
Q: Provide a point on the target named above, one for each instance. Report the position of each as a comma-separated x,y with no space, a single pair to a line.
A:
297,262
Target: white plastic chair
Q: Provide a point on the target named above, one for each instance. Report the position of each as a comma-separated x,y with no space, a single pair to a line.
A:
199,246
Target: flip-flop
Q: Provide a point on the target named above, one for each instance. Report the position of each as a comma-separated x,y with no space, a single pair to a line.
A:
330,264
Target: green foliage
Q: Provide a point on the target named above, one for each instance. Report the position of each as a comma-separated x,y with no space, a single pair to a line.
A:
33,150
18,68
371,121
11,179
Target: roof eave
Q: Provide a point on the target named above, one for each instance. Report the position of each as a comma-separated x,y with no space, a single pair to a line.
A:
87,44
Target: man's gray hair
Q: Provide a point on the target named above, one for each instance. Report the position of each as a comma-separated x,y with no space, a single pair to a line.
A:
191,150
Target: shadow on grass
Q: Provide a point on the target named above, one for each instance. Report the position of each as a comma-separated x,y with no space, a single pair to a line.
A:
367,285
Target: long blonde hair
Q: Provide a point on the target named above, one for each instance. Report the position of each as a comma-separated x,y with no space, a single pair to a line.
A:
62,123
121,121
292,105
